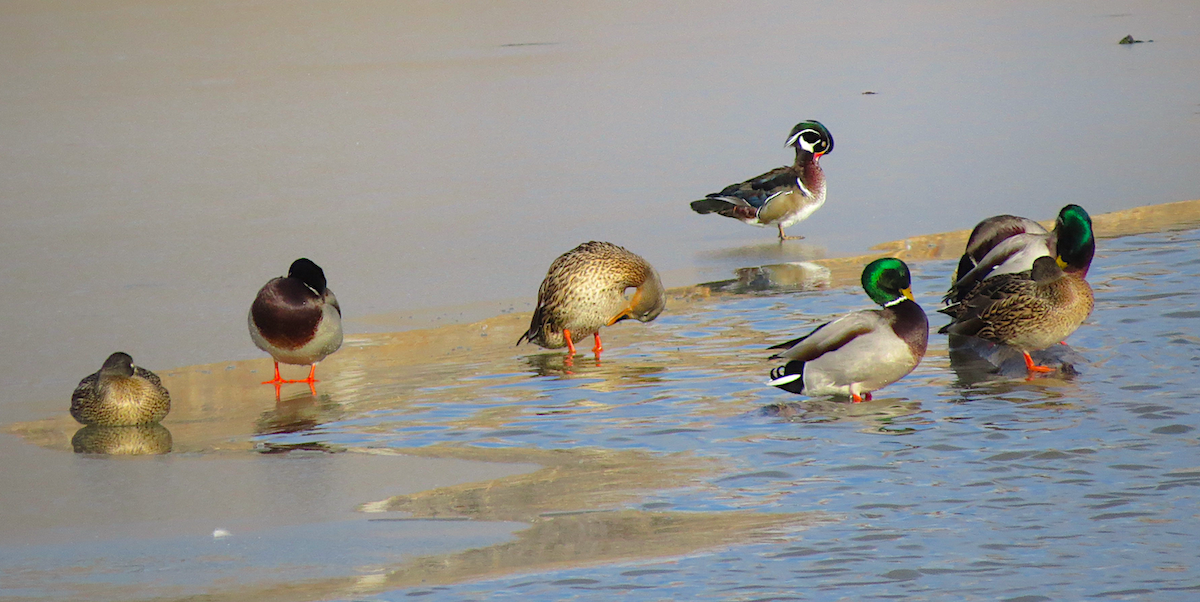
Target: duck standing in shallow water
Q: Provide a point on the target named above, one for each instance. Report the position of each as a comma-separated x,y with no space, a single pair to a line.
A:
297,319
782,196
1007,244
585,290
120,394
1029,311
864,350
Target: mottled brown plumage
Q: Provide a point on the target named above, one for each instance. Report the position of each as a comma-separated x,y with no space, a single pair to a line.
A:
584,290
120,394
1029,310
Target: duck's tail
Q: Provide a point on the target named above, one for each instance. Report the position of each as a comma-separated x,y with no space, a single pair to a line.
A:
534,334
789,377
723,206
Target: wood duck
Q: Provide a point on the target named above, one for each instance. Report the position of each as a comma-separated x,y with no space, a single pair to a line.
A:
120,394
296,319
584,290
864,350
782,196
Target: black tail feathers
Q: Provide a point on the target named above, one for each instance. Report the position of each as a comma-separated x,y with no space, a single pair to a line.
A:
793,368
705,206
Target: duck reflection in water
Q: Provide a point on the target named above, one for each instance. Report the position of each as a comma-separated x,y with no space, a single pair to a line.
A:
882,415
792,276
613,375
302,411
975,361
137,440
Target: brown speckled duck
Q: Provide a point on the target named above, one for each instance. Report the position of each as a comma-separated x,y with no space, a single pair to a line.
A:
120,394
1007,244
1028,311
297,319
585,290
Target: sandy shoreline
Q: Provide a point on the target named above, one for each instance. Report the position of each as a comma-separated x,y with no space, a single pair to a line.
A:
220,409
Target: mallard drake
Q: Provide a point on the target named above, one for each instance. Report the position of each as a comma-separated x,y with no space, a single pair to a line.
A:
1028,311
782,196
861,351
1007,244
120,394
584,290
296,319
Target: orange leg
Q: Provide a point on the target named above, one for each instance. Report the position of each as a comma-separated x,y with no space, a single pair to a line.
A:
598,348
312,375
854,397
570,343
1032,367
277,380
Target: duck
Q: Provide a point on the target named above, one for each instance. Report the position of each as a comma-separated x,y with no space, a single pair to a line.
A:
296,319
1007,244
120,394
784,195
862,351
1028,311
584,290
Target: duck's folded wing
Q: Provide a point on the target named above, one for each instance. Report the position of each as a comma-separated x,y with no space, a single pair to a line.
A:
829,336
993,230
1010,256
1005,294
755,192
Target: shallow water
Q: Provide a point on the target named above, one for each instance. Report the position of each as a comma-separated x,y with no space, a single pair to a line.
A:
1046,489
165,159
670,471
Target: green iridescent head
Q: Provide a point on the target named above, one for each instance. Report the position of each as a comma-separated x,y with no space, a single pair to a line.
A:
887,281
1076,244
812,137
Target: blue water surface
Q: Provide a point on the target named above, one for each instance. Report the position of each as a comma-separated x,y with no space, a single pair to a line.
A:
956,488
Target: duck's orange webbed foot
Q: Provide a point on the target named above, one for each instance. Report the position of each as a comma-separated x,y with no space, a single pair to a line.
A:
1032,367
598,348
277,380
570,343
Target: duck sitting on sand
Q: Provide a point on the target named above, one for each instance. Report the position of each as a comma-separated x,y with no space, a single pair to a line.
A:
120,394
584,290
864,350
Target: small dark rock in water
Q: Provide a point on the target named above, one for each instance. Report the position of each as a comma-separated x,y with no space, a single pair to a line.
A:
1130,40
870,92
